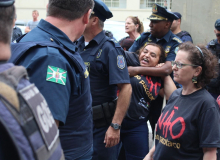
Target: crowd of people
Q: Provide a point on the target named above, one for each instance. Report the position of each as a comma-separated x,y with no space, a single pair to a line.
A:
81,95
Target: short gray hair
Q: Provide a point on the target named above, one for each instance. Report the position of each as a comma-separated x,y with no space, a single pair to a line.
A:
101,24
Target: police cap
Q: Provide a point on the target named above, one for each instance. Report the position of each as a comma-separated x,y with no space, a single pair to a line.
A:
101,10
217,24
6,3
178,15
160,13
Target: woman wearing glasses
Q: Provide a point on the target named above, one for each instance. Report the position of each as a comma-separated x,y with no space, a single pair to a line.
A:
145,89
188,127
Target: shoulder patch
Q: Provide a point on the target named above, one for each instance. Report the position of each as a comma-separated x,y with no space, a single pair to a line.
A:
167,50
121,62
176,50
56,75
177,39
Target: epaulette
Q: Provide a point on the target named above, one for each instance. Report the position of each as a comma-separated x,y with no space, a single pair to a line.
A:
143,35
146,33
177,39
113,41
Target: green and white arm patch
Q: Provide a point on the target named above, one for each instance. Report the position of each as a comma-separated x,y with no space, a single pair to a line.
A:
56,75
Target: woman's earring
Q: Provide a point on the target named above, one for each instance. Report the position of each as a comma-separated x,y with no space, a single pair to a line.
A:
194,79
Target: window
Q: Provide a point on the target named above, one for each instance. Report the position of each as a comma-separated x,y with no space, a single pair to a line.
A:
149,3
115,3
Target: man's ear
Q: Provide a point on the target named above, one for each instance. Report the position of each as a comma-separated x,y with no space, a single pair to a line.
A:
168,24
95,20
87,16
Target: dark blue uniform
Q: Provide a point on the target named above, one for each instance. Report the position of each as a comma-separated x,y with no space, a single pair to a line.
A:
64,86
169,43
184,36
107,68
106,65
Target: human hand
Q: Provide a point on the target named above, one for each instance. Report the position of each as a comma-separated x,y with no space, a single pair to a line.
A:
132,71
112,137
159,65
149,156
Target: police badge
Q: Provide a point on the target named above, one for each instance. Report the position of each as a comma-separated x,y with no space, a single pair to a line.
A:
167,50
154,8
121,62
176,50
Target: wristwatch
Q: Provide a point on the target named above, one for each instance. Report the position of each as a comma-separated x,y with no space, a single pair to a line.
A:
116,126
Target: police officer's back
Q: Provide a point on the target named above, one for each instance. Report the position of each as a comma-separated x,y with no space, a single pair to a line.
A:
214,46
60,74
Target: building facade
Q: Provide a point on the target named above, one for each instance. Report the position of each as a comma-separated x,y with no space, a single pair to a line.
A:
120,8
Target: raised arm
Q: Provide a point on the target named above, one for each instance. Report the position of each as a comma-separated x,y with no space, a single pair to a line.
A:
165,70
169,86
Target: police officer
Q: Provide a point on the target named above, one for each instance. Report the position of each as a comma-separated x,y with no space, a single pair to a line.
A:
175,28
13,130
63,81
214,46
107,71
161,21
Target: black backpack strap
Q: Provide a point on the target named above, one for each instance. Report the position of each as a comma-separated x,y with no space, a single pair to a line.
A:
183,33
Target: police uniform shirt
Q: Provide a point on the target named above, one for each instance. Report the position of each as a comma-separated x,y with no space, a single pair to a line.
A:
169,42
45,63
106,65
187,124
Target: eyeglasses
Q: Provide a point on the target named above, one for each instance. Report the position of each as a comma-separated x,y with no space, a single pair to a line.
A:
180,65
218,35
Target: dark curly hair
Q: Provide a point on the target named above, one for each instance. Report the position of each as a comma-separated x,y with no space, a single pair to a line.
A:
162,52
206,60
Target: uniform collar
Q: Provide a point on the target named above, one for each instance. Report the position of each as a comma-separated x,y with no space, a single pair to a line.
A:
166,37
99,37
57,34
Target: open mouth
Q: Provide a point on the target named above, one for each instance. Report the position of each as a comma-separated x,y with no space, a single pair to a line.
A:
146,60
